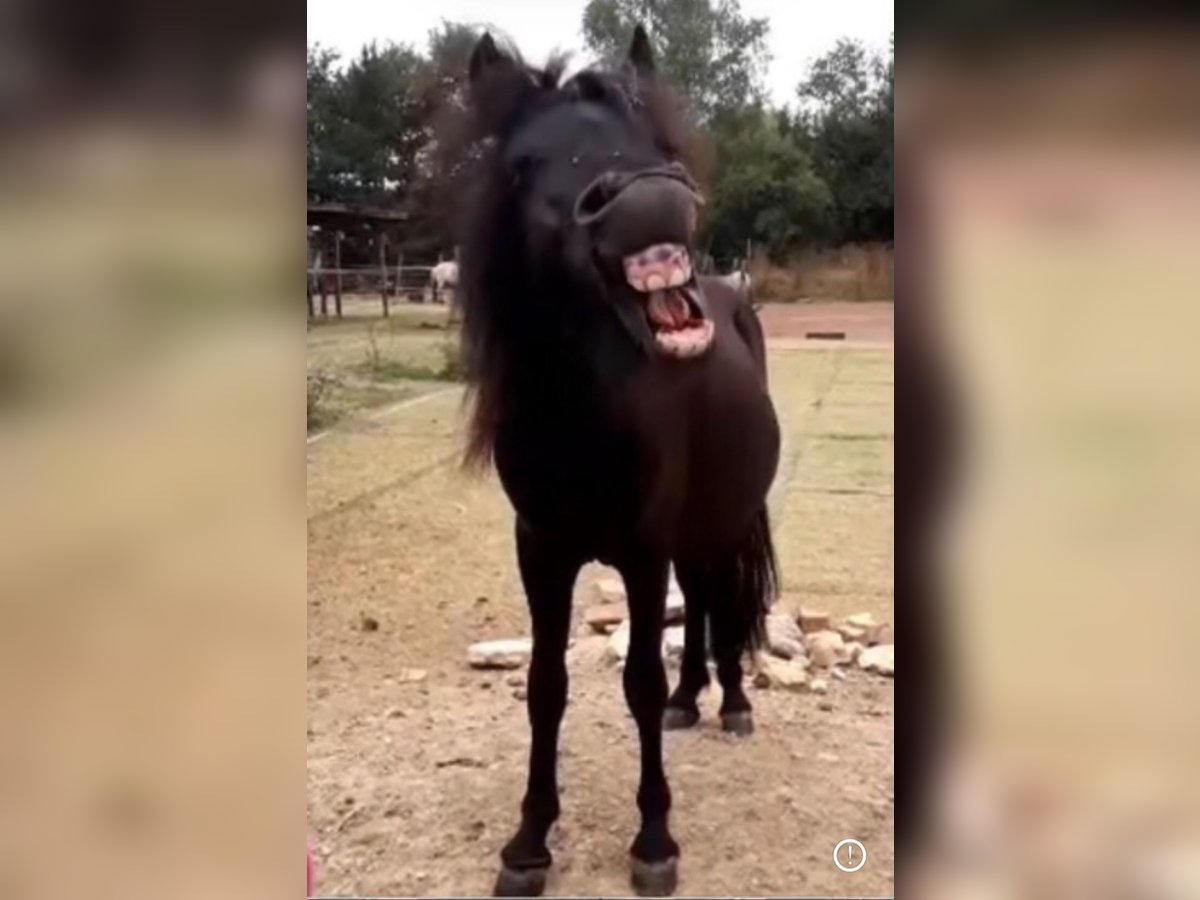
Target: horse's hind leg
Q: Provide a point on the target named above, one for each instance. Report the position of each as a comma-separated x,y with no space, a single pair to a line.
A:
548,572
715,584
736,712
682,711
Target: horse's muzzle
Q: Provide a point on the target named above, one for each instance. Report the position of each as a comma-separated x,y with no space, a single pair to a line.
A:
627,211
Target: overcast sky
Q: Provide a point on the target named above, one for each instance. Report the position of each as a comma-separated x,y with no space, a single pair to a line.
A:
801,30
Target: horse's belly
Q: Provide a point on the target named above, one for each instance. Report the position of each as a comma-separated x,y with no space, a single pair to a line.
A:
733,462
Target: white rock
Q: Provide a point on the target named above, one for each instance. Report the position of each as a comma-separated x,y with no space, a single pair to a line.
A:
617,649
788,674
673,642
825,648
604,617
511,653
853,650
837,674
783,636
819,686
852,633
610,590
675,606
881,659
873,631
618,644
812,620
672,583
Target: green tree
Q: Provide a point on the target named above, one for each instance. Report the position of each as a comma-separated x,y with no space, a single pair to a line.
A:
366,124
841,82
766,190
711,52
449,51
433,204
382,121
848,112
322,93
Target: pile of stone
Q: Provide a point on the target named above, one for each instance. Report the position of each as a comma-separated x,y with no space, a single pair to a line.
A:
810,643
795,644
799,650
610,611
610,615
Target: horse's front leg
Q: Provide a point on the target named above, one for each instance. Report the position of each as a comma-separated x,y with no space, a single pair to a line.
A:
548,572
655,853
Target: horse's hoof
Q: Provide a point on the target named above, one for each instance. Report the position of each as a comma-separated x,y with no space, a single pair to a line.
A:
738,723
676,717
520,882
655,879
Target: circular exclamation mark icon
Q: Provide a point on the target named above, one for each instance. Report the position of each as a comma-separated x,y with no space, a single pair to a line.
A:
850,855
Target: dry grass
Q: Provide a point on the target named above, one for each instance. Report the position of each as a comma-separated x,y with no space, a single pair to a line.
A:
853,272
365,361
832,505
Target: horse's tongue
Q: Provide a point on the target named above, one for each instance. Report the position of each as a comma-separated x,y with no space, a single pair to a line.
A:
668,308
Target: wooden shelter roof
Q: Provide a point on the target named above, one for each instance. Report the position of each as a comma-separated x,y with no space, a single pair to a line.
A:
343,214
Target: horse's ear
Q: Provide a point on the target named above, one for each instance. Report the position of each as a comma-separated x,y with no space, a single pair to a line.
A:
641,57
485,57
498,84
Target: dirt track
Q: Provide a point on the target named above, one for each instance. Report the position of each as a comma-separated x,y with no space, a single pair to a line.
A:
413,786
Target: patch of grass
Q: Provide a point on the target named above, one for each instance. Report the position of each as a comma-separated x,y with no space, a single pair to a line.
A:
450,368
338,398
318,385
357,364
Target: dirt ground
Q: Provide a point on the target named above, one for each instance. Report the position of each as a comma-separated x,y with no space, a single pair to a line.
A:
859,322
414,782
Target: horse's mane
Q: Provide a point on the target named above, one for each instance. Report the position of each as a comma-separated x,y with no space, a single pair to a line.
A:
493,282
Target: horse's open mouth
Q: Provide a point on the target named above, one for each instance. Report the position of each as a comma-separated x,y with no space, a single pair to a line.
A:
663,274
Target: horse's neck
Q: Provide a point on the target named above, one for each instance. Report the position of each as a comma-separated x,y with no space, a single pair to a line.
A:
577,377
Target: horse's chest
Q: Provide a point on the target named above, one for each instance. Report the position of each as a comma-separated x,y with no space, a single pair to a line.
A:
580,475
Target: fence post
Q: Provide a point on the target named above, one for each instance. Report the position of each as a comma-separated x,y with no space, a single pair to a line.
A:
383,287
320,267
309,260
337,280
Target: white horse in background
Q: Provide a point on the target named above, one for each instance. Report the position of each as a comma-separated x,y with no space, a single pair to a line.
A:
442,276
738,279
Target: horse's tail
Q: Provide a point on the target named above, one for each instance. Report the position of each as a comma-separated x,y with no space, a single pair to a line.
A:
755,584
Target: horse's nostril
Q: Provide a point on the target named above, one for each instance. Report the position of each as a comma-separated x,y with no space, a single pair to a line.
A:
596,196
648,195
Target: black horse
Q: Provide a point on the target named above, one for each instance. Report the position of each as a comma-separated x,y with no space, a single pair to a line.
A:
623,401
